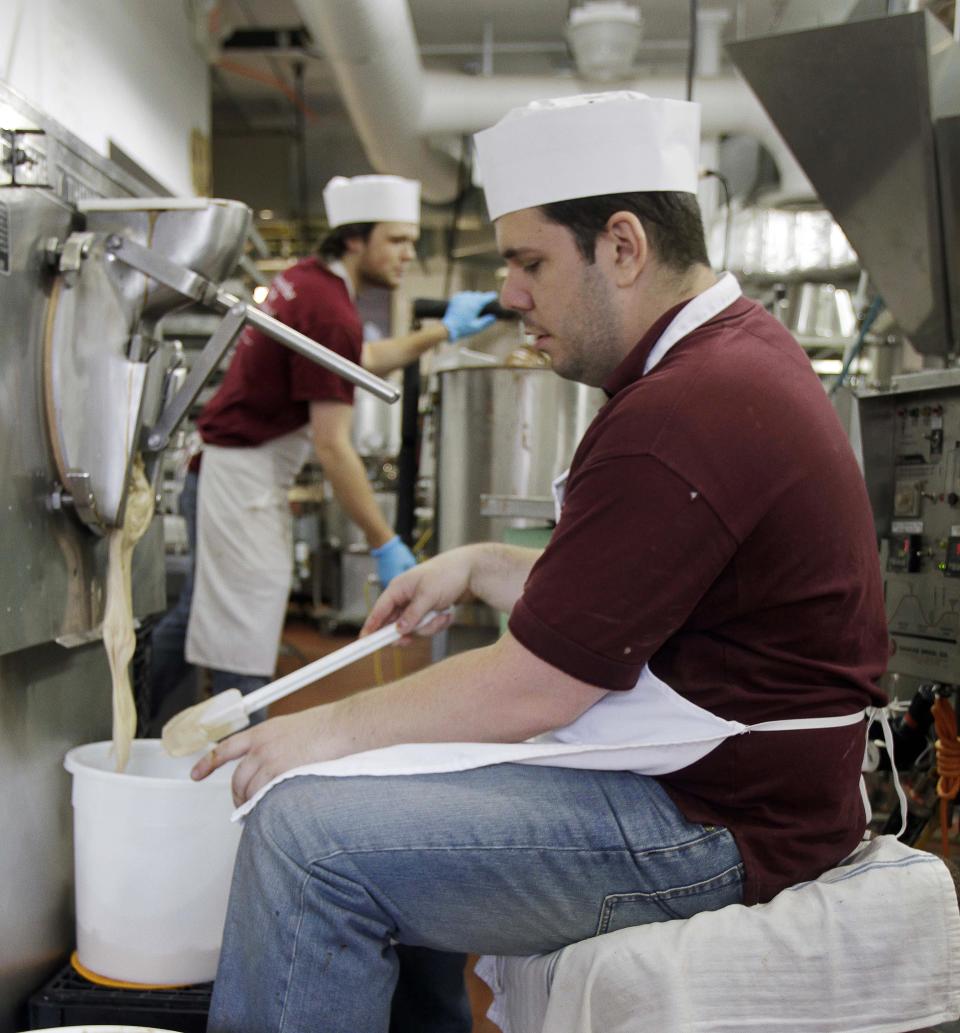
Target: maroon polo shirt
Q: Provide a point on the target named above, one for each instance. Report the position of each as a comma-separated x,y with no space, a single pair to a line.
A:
717,527
268,387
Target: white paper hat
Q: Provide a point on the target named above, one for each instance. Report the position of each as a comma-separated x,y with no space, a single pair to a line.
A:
371,199
596,143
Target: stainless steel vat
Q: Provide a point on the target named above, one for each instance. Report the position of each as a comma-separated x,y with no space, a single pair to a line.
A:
376,426
503,431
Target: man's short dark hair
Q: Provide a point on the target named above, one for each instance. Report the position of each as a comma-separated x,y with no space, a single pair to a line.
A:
334,244
671,221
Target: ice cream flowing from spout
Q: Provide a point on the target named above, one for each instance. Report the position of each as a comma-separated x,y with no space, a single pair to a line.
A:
118,632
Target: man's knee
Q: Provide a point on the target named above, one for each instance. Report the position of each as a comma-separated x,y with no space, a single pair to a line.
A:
283,817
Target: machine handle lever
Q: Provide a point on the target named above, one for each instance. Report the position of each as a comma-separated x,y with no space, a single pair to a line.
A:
157,437
304,345
192,285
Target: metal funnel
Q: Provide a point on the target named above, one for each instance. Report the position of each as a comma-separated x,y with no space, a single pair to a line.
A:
863,106
204,234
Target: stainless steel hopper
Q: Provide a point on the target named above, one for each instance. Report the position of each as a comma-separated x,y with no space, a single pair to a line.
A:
868,109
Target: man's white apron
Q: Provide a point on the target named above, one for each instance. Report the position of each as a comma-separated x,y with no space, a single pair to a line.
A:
244,563
650,729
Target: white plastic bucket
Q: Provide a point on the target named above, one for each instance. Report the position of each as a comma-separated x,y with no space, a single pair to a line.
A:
153,857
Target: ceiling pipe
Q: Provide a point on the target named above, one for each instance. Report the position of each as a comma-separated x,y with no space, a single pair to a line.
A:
465,104
373,52
396,105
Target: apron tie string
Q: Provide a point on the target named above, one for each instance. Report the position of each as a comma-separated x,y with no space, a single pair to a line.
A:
882,714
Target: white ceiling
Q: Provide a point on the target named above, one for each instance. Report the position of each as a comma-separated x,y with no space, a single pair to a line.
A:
527,35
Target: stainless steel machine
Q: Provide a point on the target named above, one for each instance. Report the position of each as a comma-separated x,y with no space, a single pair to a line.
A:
871,109
88,265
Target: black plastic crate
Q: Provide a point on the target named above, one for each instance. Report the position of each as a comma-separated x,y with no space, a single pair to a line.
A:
70,1000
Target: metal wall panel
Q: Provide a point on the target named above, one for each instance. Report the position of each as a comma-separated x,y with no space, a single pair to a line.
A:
52,568
50,700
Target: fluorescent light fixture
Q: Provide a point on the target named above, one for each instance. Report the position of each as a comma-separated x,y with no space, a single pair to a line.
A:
260,294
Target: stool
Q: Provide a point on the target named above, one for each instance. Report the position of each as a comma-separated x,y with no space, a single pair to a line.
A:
872,945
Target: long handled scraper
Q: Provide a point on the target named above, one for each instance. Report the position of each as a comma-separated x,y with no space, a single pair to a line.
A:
208,722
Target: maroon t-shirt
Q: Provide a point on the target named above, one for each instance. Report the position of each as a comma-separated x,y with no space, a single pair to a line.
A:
717,527
268,387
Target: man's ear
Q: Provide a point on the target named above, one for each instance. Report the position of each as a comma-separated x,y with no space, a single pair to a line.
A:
355,244
628,247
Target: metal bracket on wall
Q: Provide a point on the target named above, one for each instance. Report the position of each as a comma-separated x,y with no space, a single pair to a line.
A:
68,257
23,158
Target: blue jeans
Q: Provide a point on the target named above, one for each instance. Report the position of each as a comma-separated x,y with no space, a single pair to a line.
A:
510,859
220,681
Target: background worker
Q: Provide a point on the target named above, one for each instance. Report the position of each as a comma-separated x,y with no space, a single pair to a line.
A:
713,567
273,409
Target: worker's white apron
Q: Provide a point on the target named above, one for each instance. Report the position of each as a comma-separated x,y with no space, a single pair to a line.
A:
244,559
245,549
650,729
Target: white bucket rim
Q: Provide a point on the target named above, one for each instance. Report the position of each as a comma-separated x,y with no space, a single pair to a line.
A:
76,763
87,1028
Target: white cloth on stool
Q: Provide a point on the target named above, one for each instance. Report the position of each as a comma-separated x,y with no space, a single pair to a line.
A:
872,946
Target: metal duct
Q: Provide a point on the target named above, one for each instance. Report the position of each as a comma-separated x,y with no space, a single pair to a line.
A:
373,51
395,105
861,105
462,104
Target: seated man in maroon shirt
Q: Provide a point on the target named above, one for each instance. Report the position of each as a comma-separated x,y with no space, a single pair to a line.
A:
713,572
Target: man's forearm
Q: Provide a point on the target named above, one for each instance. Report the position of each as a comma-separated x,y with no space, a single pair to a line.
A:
493,573
501,693
491,694
344,469
384,356
499,572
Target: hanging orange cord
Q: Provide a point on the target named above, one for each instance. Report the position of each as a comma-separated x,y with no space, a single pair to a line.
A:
948,763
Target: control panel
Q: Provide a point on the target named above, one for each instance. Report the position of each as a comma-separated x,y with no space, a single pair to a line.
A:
911,451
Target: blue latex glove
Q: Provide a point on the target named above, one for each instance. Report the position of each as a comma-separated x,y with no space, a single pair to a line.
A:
393,558
462,318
